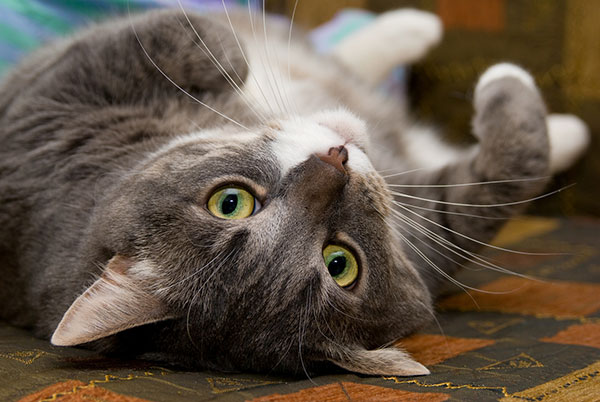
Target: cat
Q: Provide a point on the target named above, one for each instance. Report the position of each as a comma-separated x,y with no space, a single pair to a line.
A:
206,190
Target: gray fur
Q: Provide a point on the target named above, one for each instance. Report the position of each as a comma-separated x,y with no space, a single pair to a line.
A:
86,174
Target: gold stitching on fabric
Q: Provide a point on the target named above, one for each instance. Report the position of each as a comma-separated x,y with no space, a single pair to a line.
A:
221,385
490,327
522,360
550,391
24,356
577,385
92,384
449,385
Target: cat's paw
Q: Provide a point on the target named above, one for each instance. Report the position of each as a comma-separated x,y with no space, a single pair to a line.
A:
504,82
394,38
501,71
510,123
569,138
408,33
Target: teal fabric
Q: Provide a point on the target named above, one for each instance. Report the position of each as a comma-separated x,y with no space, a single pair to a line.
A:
26,24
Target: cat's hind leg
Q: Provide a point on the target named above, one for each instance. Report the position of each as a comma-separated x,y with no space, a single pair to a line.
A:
394,38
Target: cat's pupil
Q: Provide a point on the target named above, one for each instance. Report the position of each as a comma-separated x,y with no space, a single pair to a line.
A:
229,204
337,266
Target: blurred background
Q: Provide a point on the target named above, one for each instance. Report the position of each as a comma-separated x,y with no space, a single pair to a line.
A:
558,41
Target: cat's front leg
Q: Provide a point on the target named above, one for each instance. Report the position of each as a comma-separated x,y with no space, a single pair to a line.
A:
459,207
141,60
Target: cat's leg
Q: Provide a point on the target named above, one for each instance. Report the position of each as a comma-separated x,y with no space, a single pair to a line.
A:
394,38
143,59
452,213
568,135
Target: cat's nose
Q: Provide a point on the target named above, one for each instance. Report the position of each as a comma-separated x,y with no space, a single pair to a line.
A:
336,157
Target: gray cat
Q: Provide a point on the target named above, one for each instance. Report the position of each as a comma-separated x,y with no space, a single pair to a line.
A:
198,190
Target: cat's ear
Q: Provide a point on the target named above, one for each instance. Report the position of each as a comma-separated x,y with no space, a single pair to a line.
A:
119,300
385,361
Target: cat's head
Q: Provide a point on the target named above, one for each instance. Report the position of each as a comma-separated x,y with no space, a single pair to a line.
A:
267,249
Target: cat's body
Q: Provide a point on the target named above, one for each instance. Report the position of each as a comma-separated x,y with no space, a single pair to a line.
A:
109,163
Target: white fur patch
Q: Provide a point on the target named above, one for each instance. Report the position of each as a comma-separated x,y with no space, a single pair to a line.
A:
569,137
394,38
428,151
503,70
299,139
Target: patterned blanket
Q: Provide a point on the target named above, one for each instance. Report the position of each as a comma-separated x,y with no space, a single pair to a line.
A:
534,341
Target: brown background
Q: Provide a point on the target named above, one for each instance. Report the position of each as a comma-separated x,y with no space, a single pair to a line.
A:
557,40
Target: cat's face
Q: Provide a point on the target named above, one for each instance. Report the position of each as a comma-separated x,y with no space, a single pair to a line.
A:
266,250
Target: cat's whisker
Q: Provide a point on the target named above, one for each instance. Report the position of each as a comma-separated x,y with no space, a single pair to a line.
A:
437,268
302,331
264,63
283,355
197,292
434,265
209,54
250,69
344,313
431,312
480,183
473,239
448,245
237,75
328,327
278,85
504,204
197,272
401,173
289,73
448,212
177,85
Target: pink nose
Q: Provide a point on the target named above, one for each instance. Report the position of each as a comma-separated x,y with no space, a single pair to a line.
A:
336,157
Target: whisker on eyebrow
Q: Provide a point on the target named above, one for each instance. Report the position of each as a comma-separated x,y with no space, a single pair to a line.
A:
295,107
218,65
250,69
286,107
263,63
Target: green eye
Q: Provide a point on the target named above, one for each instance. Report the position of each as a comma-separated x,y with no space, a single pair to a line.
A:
232,203
341,264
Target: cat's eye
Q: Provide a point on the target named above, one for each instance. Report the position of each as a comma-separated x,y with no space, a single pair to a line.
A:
341,264
232,203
